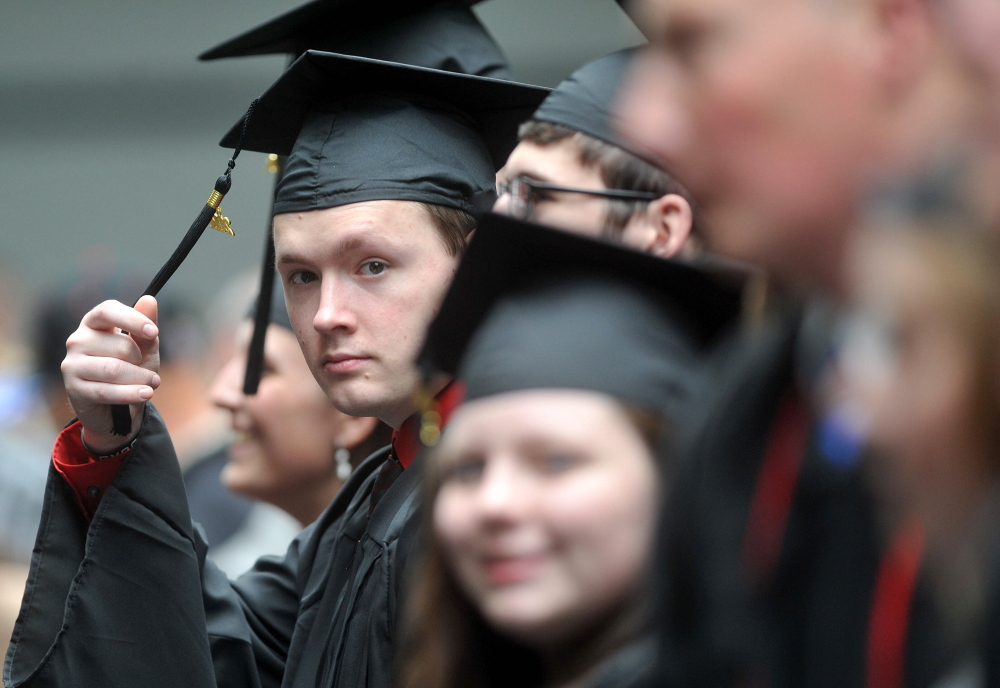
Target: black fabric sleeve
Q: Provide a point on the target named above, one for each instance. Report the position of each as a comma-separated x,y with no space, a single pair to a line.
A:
132,601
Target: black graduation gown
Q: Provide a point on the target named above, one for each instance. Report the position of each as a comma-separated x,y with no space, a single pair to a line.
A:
132,601
806,623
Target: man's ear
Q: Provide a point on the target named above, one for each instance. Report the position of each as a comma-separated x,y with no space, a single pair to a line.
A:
669,220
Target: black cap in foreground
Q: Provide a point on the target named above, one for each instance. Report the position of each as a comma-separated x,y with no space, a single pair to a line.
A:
357,129
430,33
533,307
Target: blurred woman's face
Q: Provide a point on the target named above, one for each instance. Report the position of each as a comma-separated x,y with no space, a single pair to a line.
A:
545,512
284,433
911,367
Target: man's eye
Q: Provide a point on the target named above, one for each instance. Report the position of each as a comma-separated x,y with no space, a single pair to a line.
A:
302,277
373,267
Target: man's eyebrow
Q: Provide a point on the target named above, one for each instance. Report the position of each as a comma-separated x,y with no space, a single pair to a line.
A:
532,176
289,258
345,245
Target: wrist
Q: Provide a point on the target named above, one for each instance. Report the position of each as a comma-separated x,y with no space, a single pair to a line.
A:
107,444
115,453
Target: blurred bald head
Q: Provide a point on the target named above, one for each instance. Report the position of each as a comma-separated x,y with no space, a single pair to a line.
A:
780,115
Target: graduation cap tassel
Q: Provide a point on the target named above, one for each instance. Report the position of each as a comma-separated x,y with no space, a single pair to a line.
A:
262,318
210,215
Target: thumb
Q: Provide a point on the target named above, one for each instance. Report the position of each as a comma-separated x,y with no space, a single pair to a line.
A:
148,341
147,306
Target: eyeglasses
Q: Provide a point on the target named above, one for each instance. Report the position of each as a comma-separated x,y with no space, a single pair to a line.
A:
524,193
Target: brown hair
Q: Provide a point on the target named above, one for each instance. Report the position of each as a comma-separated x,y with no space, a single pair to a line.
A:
964,261
619,170
445,641
453,225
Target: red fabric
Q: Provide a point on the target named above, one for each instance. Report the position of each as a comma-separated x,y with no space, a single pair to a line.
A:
406,440
86,474
889,623
771,503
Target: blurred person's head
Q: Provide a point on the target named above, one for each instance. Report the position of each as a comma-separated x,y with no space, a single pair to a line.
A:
292,447
922,366
541,497
571,142
780,115
543,506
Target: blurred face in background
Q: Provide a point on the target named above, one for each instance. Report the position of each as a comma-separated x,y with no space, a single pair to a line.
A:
922,363
545,513
286,434
768,110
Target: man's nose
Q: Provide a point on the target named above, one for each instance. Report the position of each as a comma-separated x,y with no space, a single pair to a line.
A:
335,307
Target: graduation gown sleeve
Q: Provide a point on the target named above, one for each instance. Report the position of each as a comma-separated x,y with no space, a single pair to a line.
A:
132,601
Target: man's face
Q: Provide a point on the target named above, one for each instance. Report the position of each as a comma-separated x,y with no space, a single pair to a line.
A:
557,163
763,107
362,282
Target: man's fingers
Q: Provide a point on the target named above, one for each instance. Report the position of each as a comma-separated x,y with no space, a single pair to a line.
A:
107,394
112,371
113,314
88,342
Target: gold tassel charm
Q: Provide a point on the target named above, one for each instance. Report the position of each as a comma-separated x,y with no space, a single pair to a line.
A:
219,222
430,419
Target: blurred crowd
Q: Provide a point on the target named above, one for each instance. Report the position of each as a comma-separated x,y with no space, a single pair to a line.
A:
710,397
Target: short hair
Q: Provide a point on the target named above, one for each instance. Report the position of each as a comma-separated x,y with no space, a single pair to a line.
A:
453,225
619,170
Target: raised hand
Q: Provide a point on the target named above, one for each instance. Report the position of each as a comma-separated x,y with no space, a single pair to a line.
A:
112,358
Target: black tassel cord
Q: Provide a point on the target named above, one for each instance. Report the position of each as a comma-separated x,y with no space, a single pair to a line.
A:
262,318
121,419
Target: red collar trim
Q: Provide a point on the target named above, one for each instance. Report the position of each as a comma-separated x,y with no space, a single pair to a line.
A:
406,441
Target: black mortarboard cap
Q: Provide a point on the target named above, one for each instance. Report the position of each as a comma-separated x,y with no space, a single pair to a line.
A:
428,33
357,129
585,101
535,307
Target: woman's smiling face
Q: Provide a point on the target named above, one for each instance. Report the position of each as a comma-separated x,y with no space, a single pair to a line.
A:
546,510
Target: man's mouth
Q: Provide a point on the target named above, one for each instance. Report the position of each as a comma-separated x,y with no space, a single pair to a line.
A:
338,364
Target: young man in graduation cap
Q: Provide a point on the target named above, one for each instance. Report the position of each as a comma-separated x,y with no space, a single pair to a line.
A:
571,169
425,33
385,163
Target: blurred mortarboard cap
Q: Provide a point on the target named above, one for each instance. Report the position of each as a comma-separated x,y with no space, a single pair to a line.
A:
585,101
533,307
428,33
357,129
